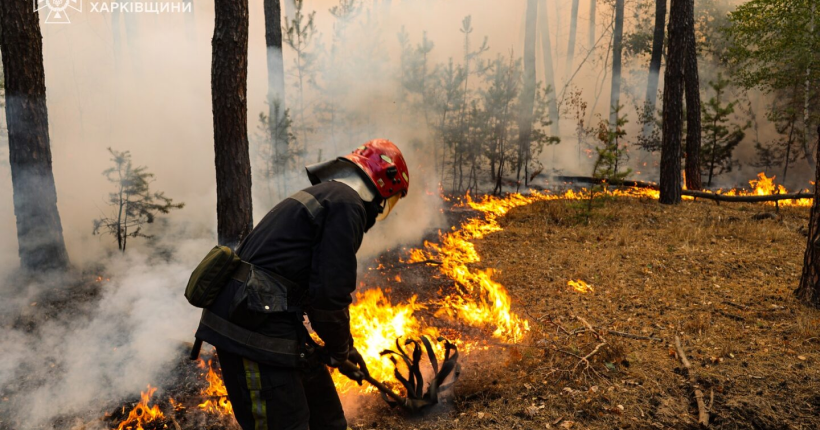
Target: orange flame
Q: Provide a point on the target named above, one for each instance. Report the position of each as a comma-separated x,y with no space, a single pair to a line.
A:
141,413
216,392
765,186
580,286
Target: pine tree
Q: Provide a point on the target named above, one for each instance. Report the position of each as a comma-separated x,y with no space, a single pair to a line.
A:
133,201
808,291
612,154
39,229
670,176
719,136
229,89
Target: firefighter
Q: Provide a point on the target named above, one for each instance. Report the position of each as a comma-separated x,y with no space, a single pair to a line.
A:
301,260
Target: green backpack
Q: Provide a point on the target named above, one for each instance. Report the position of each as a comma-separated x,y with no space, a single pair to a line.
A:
211,275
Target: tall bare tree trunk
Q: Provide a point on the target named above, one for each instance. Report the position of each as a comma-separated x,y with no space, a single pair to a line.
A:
276,77
549,71
39,230
692,84
617,48
670,180
591,30
273,42
527,92
573,30
654,67
229,75
808,291
807,95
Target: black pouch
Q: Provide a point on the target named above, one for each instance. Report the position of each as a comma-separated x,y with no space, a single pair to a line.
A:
265,292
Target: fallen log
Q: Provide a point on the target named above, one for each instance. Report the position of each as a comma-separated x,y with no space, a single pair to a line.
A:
703,412
746,199
691,193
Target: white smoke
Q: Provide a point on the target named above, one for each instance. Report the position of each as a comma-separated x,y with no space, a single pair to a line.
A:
151,95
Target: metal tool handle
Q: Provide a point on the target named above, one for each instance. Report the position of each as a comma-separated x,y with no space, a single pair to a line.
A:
349,366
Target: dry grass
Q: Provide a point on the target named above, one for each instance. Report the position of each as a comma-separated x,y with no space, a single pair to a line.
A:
710,274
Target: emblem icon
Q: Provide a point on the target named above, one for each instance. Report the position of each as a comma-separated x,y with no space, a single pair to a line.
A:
58,9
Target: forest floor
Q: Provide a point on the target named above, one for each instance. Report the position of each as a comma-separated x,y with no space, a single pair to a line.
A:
718,276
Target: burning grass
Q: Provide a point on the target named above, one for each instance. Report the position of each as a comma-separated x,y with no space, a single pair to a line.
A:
719,277
568,315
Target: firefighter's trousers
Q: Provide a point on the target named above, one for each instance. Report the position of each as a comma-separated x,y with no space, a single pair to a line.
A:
277,398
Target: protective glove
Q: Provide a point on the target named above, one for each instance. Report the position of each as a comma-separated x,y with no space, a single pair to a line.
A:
333,327
357,371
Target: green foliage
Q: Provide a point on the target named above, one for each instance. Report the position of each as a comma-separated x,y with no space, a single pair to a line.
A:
781,151
773,44
719,136
133,202
612,153
637,41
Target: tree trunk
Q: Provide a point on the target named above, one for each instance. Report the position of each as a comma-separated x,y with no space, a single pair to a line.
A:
654,67
592,12
692,78
276,79
39,230
229,73
273,42
617,45
528,90
573,27
670,177
549,74
807,97
808,291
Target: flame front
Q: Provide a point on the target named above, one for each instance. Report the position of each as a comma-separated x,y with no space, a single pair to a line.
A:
216,394
476,300
765,186
376,323
141,413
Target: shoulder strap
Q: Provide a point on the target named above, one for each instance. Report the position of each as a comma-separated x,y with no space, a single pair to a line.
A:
309,202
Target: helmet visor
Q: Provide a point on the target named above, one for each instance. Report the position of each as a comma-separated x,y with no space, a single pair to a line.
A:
387,206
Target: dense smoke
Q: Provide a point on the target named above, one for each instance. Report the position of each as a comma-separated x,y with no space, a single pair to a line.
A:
148,91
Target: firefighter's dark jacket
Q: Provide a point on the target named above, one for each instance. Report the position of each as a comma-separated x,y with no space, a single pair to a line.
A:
318,254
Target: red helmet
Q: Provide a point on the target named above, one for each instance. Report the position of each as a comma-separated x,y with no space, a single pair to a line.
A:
383,163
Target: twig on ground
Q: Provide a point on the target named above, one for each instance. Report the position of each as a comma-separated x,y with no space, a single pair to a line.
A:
703,413
589,327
